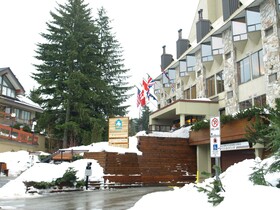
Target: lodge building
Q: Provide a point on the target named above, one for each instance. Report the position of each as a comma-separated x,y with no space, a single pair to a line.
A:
228,63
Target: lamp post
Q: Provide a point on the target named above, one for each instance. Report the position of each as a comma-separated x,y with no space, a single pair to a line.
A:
13,115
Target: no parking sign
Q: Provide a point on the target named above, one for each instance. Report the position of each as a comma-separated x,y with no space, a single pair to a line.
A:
215,140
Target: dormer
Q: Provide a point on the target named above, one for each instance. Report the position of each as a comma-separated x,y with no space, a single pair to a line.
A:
9,84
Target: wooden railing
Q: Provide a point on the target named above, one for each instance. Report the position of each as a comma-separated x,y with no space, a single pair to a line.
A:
13,134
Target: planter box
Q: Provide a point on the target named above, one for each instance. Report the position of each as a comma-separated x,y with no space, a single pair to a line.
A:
230,132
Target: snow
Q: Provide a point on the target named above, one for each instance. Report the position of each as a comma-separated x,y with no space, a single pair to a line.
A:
240,192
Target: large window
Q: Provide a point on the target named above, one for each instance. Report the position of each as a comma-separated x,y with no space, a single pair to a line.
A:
253,20
244,70
191,61
168,78
7,88
260,101
210,86
220,82
193,92
257,64
245,104
182,68
239,30
217,45
250,67
206,51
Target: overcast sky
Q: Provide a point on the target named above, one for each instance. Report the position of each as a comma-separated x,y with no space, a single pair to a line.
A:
141,27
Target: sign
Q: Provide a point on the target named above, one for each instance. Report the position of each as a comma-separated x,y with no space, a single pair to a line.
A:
235,146
214,126
118,132
215,147
88,172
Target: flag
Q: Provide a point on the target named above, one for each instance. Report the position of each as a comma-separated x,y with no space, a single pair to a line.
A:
145,85
138,97
142,98
150,81
153,97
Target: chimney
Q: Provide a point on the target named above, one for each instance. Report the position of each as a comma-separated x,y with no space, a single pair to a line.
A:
166,59
203,26
181,44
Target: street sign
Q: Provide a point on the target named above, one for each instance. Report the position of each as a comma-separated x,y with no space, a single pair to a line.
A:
214,126
88,172
215,147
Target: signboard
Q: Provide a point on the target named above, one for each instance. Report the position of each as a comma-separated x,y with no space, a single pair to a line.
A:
118,132
215,140
235,146
215,147
88,172
214,126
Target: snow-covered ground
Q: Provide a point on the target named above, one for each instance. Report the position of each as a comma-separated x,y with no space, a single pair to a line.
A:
240,192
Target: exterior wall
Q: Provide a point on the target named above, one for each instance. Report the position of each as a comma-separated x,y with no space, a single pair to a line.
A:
7,145
271,44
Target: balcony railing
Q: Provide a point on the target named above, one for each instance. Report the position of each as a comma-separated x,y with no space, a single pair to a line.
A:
9,133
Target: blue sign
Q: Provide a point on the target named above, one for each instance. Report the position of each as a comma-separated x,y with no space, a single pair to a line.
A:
118,124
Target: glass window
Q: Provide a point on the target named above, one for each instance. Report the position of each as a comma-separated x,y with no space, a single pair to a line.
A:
243,67
191,61
253,20
239,30
7,88
210,86
217,45
260,101
193,92
257,64
183,68
187,94
220,82
206,52
245,104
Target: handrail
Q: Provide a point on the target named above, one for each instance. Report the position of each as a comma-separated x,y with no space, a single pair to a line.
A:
6,132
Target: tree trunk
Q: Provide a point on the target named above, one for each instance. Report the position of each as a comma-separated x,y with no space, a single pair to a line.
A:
66,121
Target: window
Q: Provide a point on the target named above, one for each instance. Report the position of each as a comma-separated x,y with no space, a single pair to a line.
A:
217,45
220,82
244,70
268,31
272,77
193,92
169,79
183,68
228,55
7,87
250,67
245,104
191,60
229,94
260,101
253,20
206,52
257,64
187,94
239,30
210,86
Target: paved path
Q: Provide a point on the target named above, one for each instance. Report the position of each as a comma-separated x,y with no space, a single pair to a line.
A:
118,199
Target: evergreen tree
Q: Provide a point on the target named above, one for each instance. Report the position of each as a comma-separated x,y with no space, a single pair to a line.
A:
73,91
113,70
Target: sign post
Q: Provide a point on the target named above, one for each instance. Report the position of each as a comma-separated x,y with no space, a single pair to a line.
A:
215,142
